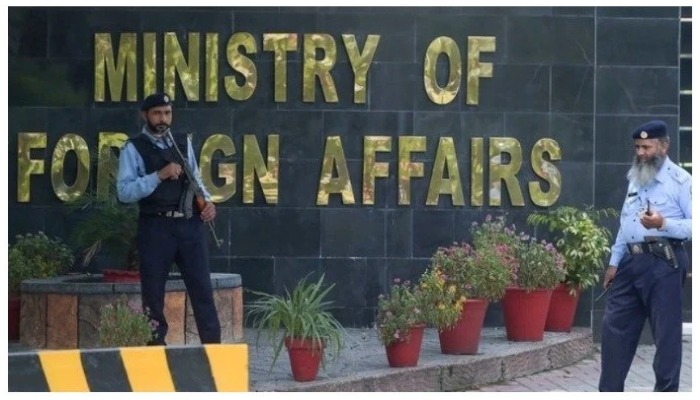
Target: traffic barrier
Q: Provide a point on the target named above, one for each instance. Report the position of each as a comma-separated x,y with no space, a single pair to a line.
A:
205,368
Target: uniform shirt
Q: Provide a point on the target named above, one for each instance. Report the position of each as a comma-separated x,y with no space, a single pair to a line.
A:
669,195
132,182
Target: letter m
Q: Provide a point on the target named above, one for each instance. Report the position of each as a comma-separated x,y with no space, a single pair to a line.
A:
107,69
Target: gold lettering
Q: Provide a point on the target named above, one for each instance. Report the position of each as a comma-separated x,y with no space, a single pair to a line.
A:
371,168
407,168
227,171
452,185
437,94
107,162
104,64
545,170
241,64
476,69
360,63
149,63
70,142
319,68
175,64
477,171
280,43
253,166
211,89
334,159
506,172
26,141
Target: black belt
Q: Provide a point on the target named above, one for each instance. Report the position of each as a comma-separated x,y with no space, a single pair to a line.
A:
650,243
167,214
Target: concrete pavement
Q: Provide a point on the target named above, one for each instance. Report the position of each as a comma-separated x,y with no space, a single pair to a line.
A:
561,362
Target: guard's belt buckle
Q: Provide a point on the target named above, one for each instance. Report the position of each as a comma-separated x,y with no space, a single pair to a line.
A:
636,248
174,214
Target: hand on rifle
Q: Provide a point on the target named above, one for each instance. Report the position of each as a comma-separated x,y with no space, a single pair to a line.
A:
170,171
208,212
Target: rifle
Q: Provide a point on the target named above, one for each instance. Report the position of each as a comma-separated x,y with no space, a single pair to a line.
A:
198,190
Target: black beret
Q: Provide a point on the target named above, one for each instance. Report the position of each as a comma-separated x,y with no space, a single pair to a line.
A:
155,100
651,130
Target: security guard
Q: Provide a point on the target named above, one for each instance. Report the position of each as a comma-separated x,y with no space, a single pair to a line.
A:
170,229
648,264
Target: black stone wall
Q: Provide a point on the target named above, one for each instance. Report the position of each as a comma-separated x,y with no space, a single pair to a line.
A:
584,76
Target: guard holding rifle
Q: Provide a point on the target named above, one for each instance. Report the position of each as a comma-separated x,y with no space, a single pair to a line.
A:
158,169
648,264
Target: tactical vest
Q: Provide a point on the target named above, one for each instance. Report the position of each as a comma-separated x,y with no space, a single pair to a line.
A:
169,194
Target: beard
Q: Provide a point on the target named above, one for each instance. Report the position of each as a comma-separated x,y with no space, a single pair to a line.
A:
158,128
643,172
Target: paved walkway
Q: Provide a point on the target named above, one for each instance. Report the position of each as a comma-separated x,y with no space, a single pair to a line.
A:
566,362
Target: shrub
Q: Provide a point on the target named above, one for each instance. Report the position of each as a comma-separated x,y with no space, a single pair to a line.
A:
124,324
36,256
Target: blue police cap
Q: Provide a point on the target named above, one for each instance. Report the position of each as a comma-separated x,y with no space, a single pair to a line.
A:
155,100
651,130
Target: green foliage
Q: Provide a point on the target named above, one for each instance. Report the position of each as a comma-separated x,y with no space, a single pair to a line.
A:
301,314
540,266
441,299
108,224
398,312
36,256
581,239
124,324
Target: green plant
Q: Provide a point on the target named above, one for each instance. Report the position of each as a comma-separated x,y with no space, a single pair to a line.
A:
399,311
36,256
124,324
442,300
540,266
302,314
581,239
108,224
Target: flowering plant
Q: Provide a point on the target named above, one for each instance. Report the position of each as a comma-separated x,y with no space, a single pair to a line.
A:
399,311
540,265
494,238
36,256
442,297
125,324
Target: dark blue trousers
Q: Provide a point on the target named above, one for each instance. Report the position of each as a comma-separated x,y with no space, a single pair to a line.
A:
645,287
163,241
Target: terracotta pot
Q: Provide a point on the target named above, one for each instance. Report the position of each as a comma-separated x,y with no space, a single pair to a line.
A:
464,337
405,353
562,309
525,313
14,305
120,276
305,357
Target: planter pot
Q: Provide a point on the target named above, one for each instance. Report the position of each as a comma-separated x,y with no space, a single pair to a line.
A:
305,357
405,353
525,313
120,276
464,337
562,309
13,304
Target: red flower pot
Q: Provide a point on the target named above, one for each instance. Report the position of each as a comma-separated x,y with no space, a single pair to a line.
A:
562,309
405,353
464,337
13,305
305,358
120,276
525,313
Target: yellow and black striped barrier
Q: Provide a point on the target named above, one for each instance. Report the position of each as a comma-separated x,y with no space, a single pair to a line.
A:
206,368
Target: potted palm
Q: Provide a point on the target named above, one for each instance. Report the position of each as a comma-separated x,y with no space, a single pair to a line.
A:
302,322
584,244
109,225
400,323
32,256
458,286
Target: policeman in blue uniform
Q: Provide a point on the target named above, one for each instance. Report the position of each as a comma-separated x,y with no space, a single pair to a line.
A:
648,264
170,229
